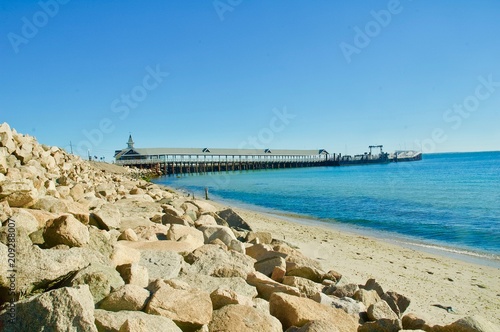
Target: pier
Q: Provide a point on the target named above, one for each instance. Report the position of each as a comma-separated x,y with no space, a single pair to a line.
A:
175,161
181,161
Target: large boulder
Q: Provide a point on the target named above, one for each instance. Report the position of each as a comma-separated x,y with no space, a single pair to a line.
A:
161,264
134,274
106,217
189,309
110,321
101,279
381,325
63,309
297,311
267,266
367,297
305,286
18,193
128,297
315,326
234,220
66,230
211,233
398,303
7,138
468,324
214,261
243,318
224,296
204,206
209,284
266,286
180,232
43,268
381,310
205,220
356,309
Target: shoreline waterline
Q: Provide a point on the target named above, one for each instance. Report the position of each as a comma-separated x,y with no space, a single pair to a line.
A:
466,255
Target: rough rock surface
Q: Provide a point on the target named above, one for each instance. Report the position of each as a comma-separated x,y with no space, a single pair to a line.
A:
64,309
297,311
189,309
243,318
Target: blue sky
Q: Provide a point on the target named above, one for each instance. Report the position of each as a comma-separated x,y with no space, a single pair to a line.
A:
239,73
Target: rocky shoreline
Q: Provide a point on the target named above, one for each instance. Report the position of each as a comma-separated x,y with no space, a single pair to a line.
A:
92,247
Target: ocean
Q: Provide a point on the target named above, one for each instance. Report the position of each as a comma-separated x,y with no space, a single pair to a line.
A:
446,201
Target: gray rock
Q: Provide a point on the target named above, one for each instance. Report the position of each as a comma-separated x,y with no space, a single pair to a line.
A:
64,309
161,264
106,217
101,279
214,261
210,233
209,284
233,220
128,297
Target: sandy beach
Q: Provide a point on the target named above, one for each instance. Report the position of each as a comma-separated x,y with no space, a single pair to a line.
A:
429,280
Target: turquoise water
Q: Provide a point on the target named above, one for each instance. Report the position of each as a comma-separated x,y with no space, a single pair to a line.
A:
445,200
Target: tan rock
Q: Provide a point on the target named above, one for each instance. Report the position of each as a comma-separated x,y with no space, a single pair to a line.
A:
170,210
3,160
223,296
179,232
66,230
469,324
214,261
381,310
138,321
243,318
6,138
296,311
128,297
381,325
305,286
77,192
259,237
205,220
128,235
204,206
123,254
315,326
18,193
412,322
398,303
187,245
152,232
134,274
106,217
278,274
188,309
366,297
266,286
268,265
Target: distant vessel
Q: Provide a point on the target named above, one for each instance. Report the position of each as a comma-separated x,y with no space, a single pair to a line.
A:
405,155
366,158
380,158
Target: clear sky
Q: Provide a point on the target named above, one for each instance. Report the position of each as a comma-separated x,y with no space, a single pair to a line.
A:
338,75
